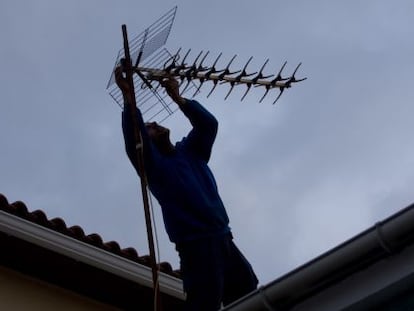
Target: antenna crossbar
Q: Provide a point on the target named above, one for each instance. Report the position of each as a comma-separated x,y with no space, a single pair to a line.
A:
197,71
154,74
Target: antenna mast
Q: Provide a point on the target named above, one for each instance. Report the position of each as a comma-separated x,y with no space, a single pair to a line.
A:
128,69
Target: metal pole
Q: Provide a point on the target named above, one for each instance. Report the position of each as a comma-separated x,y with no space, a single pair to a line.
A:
140,160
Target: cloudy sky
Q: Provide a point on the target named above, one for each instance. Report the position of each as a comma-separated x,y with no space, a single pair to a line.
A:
330,159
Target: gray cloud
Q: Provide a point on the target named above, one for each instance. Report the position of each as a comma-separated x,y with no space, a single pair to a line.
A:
328,160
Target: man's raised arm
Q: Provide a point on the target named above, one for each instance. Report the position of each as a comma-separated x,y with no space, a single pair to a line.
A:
127,124
205,125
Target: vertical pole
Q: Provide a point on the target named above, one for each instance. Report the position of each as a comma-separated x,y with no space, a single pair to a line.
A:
140,160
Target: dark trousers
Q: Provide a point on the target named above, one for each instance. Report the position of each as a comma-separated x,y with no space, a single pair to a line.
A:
214,271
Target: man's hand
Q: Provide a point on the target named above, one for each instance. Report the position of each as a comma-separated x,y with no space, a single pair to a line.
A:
173,90
123,84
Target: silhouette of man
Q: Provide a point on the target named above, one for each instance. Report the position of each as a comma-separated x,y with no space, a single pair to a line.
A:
213,269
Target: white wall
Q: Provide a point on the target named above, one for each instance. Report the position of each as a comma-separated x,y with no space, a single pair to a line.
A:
19,293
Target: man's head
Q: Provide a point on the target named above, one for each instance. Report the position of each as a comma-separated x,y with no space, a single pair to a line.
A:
160,136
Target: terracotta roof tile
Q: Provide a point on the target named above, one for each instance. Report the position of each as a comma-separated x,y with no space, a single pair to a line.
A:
59,224
76,232
39,217
114,247
129,252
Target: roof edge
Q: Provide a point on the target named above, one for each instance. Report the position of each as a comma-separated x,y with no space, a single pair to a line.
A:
86,253
384,239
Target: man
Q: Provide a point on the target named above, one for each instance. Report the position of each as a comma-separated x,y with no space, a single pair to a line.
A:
214,271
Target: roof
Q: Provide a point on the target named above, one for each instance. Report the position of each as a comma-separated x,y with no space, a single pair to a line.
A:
377,260
50,250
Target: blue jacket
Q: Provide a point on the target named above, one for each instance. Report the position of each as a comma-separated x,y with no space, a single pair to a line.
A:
182,182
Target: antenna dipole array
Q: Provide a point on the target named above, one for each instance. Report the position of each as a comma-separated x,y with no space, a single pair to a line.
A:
152,63
197,71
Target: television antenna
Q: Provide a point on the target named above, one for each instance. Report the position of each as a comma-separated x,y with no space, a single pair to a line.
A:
153,62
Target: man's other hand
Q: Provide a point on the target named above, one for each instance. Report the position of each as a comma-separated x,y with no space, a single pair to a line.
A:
173,90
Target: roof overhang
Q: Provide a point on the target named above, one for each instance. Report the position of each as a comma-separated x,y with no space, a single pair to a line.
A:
78,252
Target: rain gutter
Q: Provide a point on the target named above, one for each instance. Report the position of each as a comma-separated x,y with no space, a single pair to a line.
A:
382,240
89,254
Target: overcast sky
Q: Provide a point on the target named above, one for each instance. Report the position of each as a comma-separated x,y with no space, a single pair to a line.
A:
330,159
